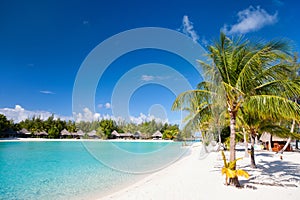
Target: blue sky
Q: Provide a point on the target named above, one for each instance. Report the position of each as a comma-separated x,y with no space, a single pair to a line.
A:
44,43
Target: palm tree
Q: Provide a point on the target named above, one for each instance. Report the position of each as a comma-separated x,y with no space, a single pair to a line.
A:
294,75
252,125
252,75
201,105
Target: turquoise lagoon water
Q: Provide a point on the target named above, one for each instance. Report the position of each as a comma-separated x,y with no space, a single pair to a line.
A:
78,170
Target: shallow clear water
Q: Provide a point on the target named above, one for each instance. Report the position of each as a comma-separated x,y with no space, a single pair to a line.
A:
76,170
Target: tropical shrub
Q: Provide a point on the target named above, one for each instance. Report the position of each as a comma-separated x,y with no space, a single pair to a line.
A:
230,171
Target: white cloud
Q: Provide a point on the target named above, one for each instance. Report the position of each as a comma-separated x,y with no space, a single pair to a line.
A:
147,78
145,118
188,28
18,114
251,19
19,108
107,105
46,92
151,78
86,115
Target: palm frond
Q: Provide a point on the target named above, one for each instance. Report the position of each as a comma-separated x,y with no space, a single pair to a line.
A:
273,107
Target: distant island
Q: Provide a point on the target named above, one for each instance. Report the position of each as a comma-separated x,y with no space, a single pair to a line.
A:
53,128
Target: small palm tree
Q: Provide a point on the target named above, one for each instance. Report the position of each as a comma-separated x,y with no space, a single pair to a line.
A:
230,170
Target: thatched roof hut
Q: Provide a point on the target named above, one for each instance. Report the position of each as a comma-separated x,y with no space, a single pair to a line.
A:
274,142
137,135
265,137
41,133
115,133
80,133
92,133
157,135
23,131
125,134
65,132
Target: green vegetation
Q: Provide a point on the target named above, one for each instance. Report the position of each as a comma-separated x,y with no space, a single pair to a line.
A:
246,83
5,125
103,127
230,171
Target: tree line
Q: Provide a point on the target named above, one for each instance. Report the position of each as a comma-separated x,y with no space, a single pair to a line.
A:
103,127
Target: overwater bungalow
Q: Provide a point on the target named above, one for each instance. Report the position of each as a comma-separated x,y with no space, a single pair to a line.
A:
277,143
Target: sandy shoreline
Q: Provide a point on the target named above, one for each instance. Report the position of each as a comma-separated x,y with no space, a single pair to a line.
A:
195,178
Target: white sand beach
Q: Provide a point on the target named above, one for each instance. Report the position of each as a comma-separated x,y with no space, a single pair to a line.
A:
200,178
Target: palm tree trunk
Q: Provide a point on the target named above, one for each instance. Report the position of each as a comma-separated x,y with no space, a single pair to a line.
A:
204,141
256,139
245,143
219,134
233,181
289,140
220,139
252,157
232,135
270,143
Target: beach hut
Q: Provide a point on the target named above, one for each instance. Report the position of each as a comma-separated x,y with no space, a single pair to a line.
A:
157,135
65,133
126,135
80,133
41,133
137,135
277,143
115,134
23,133
92,134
